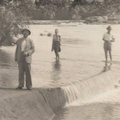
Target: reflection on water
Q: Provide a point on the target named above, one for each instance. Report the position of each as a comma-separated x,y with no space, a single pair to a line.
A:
107,67
57,66
56,70
5,58
81,57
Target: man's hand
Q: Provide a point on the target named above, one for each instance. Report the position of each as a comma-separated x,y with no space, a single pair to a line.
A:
104,40
25,53
52,49
107,40
112,40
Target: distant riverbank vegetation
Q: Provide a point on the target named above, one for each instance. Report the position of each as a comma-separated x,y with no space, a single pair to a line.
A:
74,9
12,17
15,13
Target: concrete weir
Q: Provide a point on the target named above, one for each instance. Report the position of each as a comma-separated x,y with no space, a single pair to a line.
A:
41,104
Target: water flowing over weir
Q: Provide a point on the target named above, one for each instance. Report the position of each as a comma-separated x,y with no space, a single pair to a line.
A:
81,91
87,89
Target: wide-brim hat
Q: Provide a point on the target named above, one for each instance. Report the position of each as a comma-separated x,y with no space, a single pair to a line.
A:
109,28
26,30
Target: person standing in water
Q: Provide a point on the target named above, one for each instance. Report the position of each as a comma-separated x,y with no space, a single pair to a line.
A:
56,43
108,38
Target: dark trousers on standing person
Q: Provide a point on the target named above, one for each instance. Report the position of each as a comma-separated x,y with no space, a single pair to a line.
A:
24,67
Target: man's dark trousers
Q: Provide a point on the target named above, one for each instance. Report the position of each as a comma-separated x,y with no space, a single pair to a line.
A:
24,67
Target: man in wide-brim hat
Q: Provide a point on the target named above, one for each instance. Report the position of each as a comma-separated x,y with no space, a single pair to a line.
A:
26,30
23,56
108,38
109,28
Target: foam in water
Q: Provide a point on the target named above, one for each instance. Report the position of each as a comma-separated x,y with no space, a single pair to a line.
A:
85,90
105,97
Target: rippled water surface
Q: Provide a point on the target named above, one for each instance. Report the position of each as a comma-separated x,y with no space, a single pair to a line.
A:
82,56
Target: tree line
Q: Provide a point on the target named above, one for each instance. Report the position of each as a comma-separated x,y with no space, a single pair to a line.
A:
73,9
15,13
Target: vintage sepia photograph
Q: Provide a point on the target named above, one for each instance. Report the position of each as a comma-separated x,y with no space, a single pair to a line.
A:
59,59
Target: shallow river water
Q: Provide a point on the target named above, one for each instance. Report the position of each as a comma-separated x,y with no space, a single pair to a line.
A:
82,56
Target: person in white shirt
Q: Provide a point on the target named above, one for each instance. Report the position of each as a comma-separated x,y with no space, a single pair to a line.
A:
108,38
56,43
23,46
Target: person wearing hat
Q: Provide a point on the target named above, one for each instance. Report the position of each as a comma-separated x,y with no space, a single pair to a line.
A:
23,56
108,38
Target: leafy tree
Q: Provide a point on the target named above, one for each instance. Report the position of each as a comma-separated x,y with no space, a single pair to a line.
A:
53,9
13,15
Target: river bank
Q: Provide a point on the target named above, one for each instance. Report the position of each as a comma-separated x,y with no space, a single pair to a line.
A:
94,20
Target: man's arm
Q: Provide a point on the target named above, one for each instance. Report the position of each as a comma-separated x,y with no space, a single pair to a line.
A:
32,50
60,39
52,46
113,39
16,51
104,38
52,43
